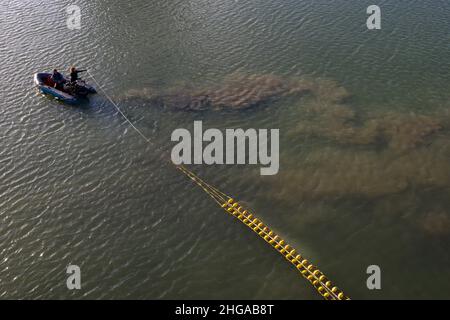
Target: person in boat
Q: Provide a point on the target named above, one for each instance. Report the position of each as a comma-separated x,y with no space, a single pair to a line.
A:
74,74
58,79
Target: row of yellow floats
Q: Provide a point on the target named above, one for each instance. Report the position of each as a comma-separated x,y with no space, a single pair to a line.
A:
319,281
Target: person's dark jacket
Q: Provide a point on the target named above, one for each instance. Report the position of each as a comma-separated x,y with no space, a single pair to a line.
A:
57,77
74,75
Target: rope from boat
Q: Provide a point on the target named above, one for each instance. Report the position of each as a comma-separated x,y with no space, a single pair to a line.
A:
310,272
119,110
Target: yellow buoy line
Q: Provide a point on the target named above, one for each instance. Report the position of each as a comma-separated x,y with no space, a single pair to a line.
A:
310,272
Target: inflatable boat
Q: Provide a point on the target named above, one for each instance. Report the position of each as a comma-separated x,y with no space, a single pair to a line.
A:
70,93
